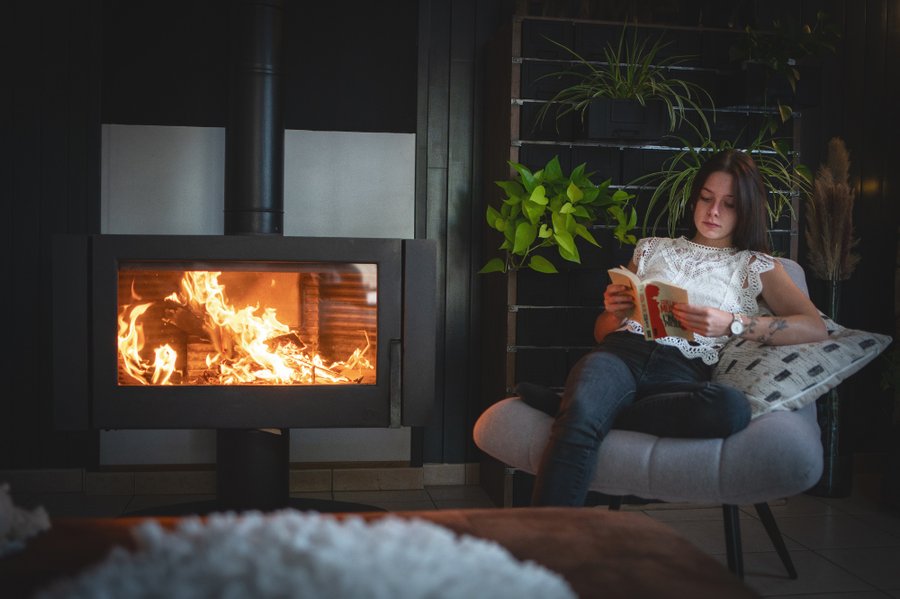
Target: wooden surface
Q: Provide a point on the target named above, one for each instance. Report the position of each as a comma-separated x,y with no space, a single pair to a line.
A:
600,553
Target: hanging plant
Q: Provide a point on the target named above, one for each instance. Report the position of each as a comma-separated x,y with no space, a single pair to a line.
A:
631,70
671,185
547,208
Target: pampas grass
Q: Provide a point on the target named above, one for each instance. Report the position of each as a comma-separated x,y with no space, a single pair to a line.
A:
829,217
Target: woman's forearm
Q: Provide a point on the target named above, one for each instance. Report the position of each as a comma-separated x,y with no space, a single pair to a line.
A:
606,323
784,330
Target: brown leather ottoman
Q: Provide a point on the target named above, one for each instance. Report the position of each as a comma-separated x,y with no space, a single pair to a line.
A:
600,553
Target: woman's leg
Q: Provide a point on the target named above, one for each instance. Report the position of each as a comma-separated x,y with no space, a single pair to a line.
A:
597,389
703,410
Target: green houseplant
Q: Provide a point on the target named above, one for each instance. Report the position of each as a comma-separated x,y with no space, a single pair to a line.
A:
633,70
779,52
670,186
547,208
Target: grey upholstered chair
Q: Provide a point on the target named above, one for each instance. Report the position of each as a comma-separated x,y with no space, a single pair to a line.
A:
778,455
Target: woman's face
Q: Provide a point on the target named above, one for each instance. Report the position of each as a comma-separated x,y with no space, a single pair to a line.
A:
715,216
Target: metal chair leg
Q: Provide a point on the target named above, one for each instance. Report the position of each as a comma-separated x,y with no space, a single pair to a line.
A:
768,520
732,521
615,502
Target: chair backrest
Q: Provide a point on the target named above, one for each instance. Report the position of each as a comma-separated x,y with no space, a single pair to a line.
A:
795,271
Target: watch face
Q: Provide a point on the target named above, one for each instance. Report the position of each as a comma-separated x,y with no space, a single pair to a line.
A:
737,327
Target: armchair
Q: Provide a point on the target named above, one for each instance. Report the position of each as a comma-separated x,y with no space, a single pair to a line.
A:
778,455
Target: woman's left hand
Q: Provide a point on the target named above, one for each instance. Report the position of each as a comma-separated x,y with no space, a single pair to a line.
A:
703,320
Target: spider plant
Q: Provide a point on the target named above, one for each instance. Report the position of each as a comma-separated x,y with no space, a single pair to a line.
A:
671,185
632,70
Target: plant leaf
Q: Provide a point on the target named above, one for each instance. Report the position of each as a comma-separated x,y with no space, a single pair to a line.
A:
533,212
541,264
584,233
574,193
553,170
565,241
495,219
570,255
539,195
525,236
493,265
527,177
513,189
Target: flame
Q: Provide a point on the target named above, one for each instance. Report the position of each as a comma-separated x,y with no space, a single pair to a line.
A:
251,345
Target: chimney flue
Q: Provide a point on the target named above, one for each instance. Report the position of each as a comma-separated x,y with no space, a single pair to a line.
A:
254,135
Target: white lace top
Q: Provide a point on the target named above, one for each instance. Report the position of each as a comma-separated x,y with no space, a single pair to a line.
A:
723,278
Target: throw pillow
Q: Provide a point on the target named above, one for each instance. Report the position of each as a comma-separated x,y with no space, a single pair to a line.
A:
787,377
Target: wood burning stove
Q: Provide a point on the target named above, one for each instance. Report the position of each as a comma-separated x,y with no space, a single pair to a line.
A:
242,332
250,333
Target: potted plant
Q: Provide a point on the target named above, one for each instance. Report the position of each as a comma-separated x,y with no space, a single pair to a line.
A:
770,60
670,187
547,208
831,258
890,380
633,93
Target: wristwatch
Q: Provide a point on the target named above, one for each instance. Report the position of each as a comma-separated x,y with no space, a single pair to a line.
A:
737,324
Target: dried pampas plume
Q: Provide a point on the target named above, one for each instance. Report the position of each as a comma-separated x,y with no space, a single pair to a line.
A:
829,217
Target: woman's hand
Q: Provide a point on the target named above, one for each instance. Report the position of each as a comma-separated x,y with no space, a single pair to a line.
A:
618,301
703,320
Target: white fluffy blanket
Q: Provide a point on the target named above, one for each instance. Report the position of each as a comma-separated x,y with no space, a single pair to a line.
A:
17,524
306,554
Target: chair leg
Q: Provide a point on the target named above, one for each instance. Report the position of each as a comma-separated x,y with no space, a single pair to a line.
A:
768,520
732,520
615,502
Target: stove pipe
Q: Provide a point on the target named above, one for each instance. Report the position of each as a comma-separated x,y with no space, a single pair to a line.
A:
254,134
252,466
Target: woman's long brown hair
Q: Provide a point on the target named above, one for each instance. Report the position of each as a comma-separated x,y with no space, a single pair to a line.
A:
751,231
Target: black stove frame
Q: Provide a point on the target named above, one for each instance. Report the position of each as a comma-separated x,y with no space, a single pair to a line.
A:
88,396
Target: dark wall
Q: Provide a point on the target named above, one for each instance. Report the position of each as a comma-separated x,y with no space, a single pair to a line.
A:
49,182
349,66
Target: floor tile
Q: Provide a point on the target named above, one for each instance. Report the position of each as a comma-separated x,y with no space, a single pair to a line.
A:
709,535
404,506
461,504
171,502
78,505
44,481
875,565
709,513
799,505
456,492
764,573
850,595
378,497
834,531
887,521
314,495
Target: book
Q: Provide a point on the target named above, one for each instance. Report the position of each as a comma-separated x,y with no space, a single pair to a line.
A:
653,301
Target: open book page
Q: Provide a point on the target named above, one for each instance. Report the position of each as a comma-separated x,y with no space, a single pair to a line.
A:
653,304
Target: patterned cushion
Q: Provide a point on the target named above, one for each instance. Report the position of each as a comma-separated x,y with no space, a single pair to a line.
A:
787,377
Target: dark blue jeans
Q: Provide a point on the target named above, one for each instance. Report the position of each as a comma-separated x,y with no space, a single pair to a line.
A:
633,384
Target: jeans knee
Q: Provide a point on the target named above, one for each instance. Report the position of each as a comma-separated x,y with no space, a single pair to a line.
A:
732,408
598,387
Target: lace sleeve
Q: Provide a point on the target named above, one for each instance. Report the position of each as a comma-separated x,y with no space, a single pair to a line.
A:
758,264
643,248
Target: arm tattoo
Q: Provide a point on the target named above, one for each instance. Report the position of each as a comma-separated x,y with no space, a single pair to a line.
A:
776,325
751,328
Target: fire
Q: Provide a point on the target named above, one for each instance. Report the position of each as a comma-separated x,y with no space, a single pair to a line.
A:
249,345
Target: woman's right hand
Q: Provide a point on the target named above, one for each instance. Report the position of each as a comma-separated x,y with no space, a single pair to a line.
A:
618,301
